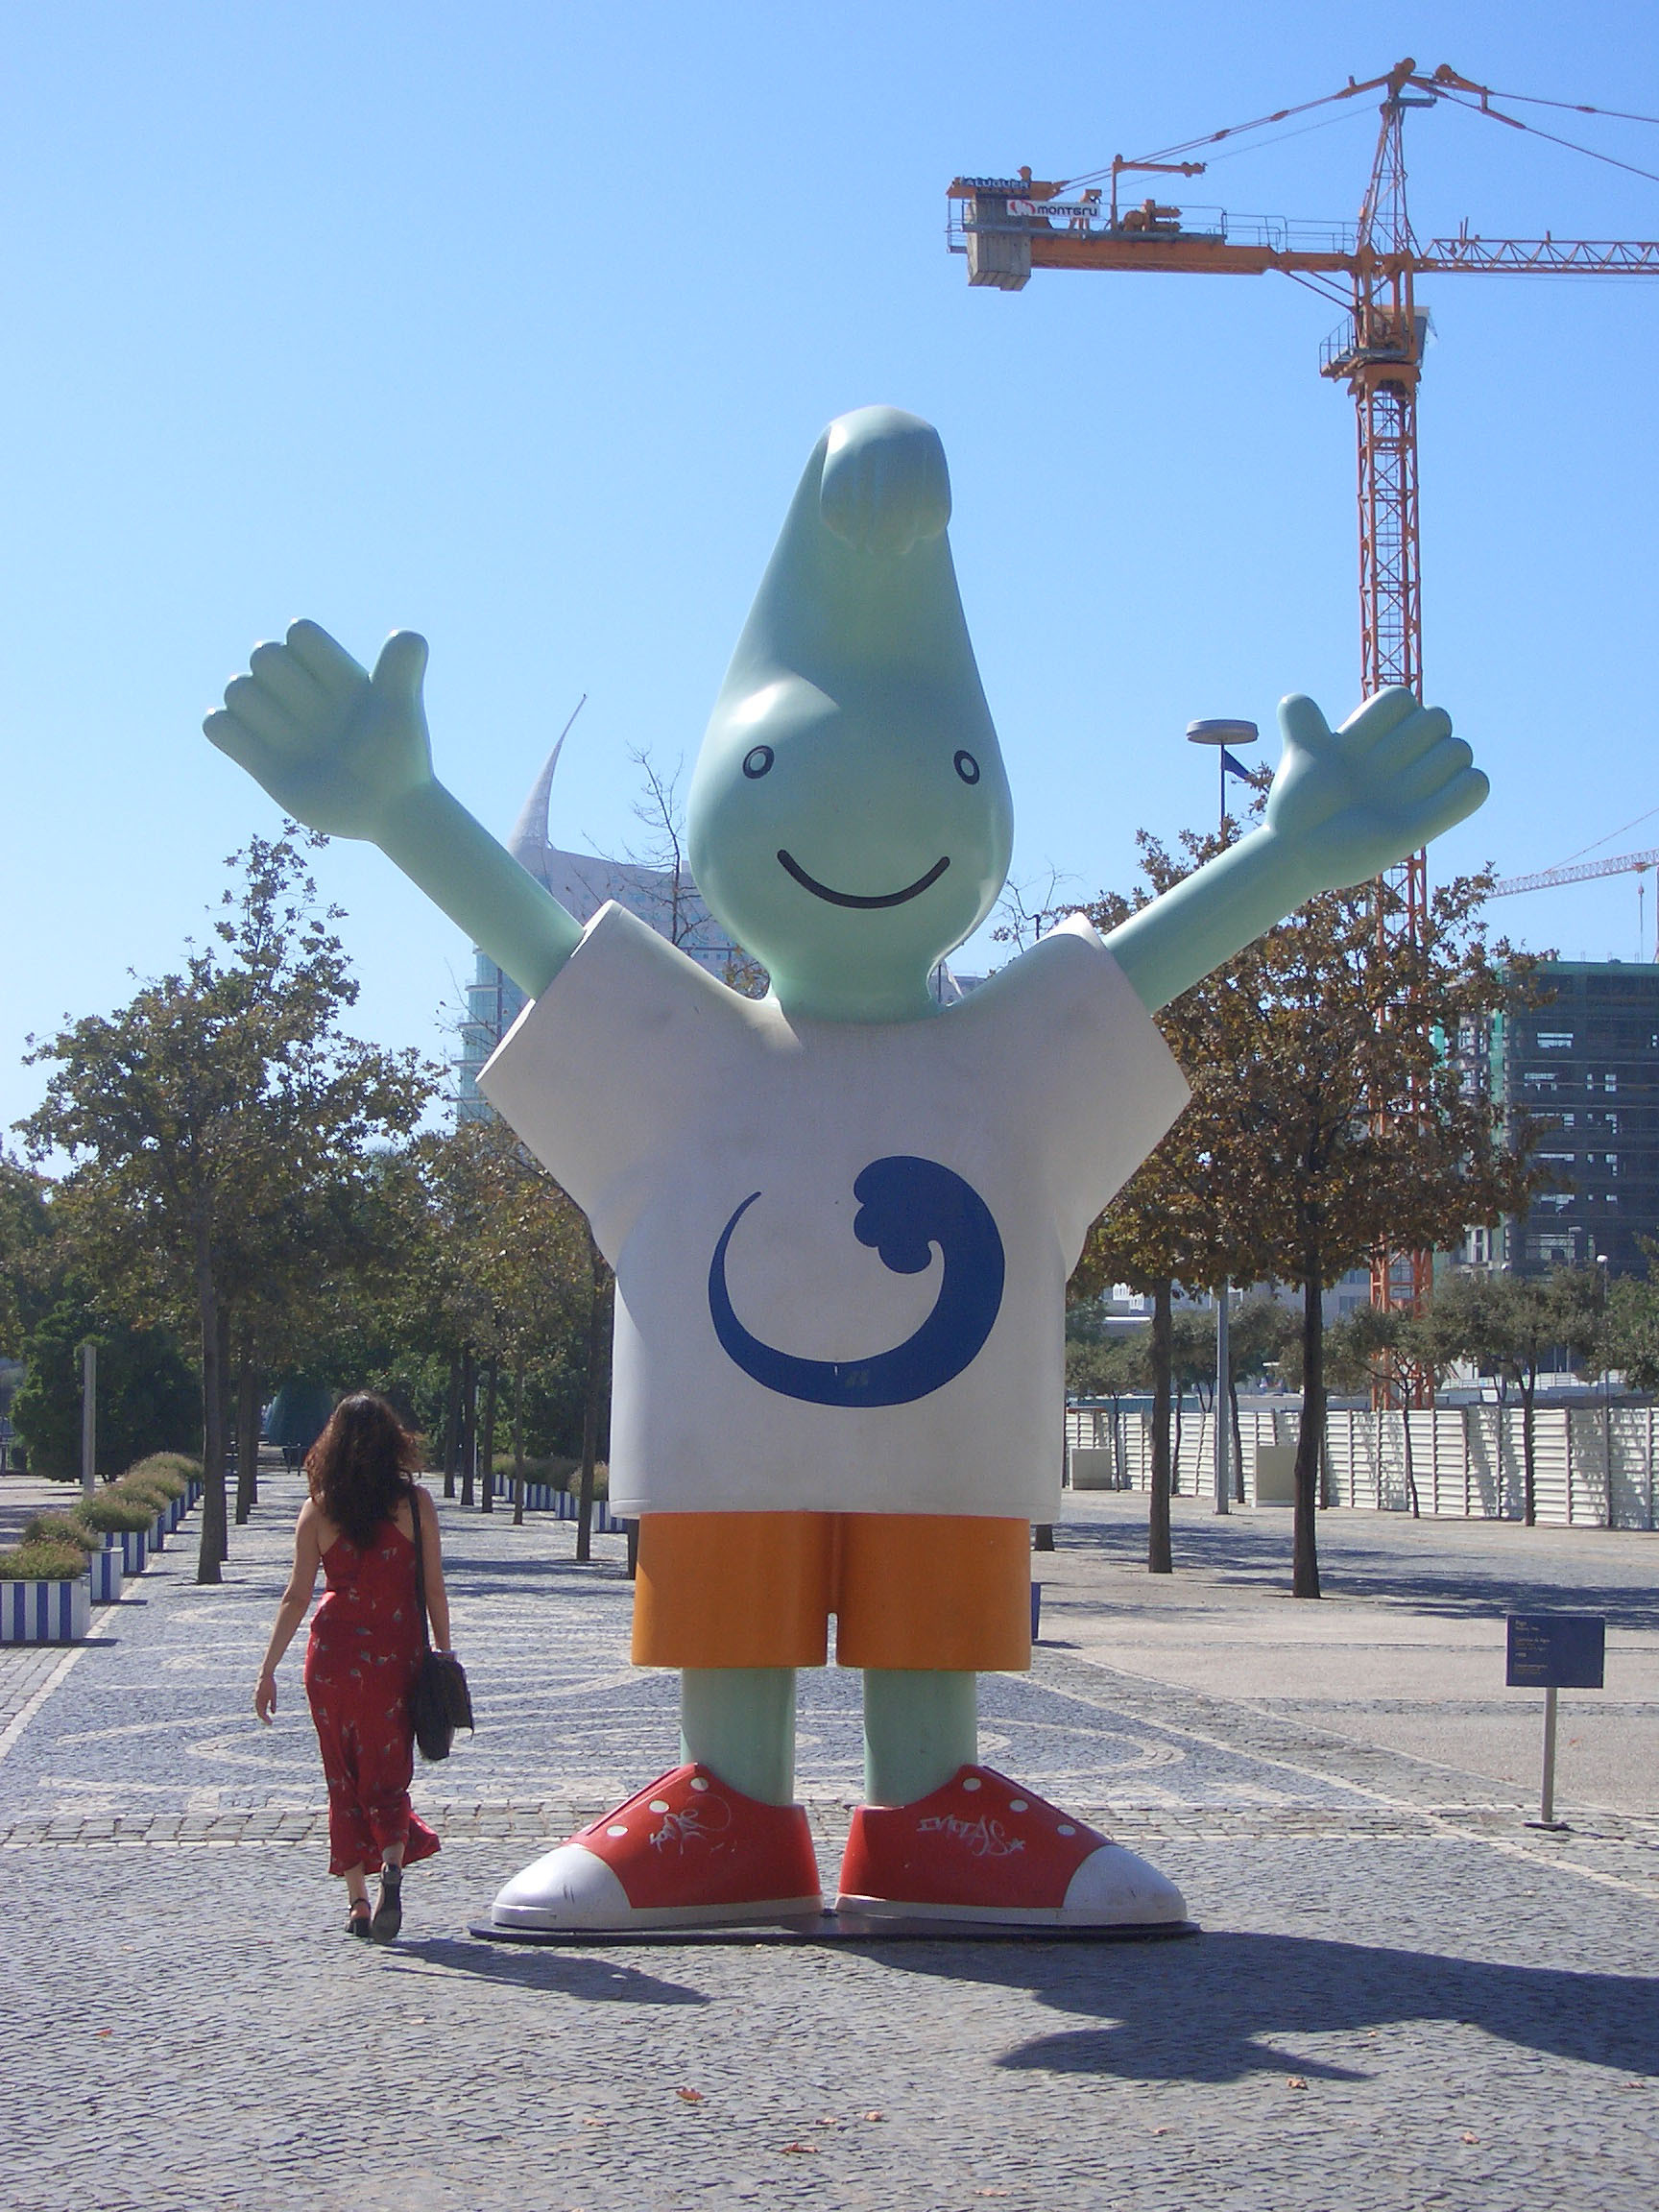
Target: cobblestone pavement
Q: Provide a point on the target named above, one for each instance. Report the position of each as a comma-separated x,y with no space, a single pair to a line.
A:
1401,1997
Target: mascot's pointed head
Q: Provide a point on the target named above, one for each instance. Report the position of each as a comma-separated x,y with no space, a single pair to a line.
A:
850,817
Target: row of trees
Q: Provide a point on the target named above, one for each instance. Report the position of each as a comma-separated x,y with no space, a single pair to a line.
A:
1510,1330
248,1191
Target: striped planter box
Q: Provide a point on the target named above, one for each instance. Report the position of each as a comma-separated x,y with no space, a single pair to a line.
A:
45,1612
158,1533
104,1570
543,1497
133,1548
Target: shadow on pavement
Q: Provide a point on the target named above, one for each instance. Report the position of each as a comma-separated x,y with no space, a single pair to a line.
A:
1237,1554
1218,2010
587,1981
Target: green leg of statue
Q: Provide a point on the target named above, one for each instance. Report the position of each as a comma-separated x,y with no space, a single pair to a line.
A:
739,1722
918,1729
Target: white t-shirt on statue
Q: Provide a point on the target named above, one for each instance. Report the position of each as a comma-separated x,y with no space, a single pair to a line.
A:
841,1248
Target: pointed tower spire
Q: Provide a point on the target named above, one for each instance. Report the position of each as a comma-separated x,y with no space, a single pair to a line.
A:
529,842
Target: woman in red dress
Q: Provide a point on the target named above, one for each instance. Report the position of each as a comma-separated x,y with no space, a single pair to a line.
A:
360,1524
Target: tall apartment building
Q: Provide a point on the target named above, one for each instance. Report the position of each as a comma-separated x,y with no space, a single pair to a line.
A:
1585,1062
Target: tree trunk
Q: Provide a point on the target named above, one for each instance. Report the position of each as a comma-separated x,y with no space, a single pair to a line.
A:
1410,1471
1305,1554
518,1441
1158,1558
226,1420
487,1469
211,1549
468,1423
598,1274
247,1436
453,1425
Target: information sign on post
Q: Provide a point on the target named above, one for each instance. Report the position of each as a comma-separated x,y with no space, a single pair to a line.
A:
1555,1651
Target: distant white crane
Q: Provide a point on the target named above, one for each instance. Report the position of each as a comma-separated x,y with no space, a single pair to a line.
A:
1635,864
1625,864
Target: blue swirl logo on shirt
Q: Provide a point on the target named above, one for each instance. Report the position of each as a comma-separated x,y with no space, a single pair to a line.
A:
906,1208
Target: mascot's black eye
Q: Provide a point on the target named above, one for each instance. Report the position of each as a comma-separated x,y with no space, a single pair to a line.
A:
757,763
966,767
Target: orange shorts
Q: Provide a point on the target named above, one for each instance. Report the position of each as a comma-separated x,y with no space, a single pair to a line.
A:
907,1590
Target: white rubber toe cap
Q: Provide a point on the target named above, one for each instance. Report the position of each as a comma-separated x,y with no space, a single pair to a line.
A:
1113,1888
571,1888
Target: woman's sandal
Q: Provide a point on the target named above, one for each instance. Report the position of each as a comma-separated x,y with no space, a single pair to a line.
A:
389,1911
357,1918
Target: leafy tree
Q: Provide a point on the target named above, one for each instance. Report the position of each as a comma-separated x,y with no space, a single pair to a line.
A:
1508,1326
1337,1110
507,1274
148,1399
211,1120
29,1276
1628,1342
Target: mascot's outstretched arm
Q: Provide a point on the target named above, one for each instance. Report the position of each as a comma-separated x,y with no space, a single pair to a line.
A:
347,753
1345,805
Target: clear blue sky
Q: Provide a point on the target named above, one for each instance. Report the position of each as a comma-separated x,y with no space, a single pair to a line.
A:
515,323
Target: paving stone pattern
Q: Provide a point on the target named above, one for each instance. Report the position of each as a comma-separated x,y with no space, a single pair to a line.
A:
1400,1999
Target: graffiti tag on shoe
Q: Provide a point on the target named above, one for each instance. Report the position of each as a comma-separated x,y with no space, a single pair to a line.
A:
700,1823
985,1837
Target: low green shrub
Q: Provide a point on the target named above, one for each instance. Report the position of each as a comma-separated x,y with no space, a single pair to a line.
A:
555,1470
176,1469
148,1493
62,1528
42,1563
109,1510
148,1486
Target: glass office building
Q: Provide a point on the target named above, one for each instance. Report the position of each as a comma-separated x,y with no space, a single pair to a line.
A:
1584,1063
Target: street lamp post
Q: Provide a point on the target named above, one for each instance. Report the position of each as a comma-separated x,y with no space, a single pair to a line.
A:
1223,733
88,1417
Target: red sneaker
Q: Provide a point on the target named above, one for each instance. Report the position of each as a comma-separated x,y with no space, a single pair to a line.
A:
983,1849
687,1852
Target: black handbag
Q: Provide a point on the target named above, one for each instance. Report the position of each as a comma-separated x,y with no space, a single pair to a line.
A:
440,1700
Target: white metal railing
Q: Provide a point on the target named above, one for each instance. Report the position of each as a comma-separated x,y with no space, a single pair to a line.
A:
1594,1467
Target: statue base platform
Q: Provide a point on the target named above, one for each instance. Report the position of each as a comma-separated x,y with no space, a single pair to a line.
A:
830,1928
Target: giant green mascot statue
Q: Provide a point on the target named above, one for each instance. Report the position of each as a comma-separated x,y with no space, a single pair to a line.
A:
841,1217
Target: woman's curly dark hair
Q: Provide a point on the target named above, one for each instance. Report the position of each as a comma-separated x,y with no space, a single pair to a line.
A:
360,1467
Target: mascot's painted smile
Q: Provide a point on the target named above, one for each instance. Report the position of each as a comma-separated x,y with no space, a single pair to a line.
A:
851,898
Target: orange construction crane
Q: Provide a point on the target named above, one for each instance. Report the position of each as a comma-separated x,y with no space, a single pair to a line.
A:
1008,227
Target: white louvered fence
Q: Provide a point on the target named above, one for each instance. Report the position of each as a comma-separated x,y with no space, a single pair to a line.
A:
1465,1461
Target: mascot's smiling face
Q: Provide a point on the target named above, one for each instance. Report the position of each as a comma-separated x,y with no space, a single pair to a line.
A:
850,817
